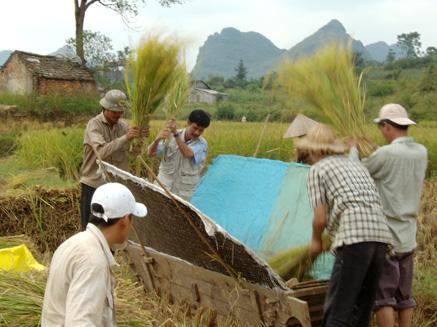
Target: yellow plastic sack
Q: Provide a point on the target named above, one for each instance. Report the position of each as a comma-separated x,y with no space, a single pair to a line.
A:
18,258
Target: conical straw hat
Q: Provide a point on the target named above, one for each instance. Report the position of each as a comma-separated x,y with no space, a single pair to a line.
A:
299,126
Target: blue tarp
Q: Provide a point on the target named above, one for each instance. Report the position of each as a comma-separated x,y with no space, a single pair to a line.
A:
263,203
239,193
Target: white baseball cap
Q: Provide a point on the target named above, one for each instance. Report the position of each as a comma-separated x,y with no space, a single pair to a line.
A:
396,113
117,201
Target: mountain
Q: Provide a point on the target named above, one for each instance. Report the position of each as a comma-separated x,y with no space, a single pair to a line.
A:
333,31
221,53
379,51
4,55
64,49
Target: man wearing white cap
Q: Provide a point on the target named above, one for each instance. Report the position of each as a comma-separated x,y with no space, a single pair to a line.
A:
111,137
80,287
398,170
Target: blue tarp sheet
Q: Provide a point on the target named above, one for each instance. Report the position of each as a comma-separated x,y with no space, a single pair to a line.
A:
238,193
263,203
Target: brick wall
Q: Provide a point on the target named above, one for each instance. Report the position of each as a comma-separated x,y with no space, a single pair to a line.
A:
64,87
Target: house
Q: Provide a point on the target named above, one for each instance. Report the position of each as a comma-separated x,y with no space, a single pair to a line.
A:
28,73
201,92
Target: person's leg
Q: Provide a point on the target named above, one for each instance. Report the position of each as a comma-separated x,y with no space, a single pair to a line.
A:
385,302
385,317
85,204
348,273
404,296
405,317
370,284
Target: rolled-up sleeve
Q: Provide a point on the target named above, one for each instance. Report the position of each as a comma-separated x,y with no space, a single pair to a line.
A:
200,151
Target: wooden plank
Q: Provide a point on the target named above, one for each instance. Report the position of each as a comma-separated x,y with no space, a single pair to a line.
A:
248,303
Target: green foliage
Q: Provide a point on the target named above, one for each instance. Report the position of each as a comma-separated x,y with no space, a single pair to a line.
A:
410,44
241,74
380,89
225,111
97,47
391,56
7,143
429,78
50,106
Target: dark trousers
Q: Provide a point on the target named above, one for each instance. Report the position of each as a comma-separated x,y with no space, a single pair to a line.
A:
354,281
85,204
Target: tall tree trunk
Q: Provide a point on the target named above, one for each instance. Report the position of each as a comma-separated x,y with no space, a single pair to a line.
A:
79,14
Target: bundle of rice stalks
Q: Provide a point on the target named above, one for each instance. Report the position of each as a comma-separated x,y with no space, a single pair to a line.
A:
21,298
296,262
149,75
327,81
178,94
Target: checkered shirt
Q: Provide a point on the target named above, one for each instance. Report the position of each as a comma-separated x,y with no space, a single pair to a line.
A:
354,210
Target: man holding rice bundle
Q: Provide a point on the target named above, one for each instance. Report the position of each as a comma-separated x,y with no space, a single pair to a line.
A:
345,202
81,283
399,171
110,136
184,154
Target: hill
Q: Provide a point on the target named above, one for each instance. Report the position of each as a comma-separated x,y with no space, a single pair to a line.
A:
379,50
4,55
333,31
222,52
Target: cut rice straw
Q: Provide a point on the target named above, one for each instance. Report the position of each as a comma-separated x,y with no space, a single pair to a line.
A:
149,75
327,81
296,262
178,94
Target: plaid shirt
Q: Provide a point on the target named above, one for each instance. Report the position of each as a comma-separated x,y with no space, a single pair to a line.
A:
354,210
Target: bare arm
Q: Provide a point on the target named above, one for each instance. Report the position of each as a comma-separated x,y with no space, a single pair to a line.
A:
151,152
319,224
185,149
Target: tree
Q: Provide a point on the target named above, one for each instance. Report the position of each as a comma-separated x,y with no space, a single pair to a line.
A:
96,48
410,44
241,71
431,51
124,8
391,56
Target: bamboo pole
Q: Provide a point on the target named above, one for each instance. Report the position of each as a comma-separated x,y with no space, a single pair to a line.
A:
261,137
192,223
133,225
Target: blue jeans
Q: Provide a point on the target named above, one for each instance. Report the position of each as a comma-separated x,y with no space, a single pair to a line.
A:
354,281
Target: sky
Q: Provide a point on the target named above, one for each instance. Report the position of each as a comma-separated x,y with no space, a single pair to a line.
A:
43,26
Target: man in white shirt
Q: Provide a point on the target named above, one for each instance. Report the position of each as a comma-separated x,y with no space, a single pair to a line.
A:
398,170
80,287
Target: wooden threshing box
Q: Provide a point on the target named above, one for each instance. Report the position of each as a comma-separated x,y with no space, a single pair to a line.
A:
188,257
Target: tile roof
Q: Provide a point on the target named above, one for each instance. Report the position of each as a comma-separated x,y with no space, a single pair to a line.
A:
53,67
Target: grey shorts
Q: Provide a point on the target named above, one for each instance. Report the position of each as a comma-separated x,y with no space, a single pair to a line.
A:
395,283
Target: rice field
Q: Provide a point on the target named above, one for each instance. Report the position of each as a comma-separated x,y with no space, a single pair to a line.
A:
55,150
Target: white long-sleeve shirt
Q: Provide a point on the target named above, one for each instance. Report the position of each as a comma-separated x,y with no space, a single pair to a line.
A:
80,287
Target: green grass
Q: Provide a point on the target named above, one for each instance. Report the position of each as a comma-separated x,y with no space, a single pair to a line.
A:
7,143
50,106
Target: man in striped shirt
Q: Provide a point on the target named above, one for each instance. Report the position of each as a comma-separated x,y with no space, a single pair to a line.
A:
345,202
